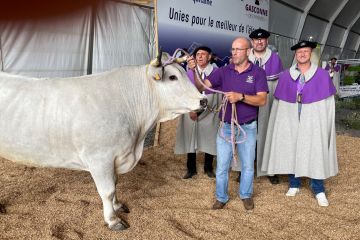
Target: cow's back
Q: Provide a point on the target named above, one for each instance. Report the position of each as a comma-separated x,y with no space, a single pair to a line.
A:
51,122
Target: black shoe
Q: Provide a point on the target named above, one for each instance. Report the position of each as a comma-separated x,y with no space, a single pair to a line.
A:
189,175
274,179
210,174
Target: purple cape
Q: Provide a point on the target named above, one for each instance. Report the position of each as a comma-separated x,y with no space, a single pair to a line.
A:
336,68
190,74
273,66
317,88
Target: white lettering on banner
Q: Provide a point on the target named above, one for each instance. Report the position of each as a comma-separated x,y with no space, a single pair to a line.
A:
349,91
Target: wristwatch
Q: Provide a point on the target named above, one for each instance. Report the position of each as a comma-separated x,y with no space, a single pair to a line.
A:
242,97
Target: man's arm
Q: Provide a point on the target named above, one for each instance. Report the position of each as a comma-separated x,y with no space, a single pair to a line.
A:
256,100
191,65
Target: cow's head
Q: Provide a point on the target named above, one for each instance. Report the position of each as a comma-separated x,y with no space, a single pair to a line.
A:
176,93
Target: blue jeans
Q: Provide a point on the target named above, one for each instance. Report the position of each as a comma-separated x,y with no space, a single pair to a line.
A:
246,152
317,185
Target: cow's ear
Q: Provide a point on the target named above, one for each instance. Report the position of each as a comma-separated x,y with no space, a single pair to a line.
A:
156,73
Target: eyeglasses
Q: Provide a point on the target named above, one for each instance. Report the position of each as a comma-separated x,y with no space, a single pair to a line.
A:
232,50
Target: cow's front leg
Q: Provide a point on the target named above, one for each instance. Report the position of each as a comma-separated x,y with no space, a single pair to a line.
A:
104,177
118,206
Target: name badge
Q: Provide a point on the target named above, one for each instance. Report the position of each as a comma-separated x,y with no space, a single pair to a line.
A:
299,98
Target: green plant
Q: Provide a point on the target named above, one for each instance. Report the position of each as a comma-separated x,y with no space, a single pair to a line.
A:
351,123
349,80
353,69
352,104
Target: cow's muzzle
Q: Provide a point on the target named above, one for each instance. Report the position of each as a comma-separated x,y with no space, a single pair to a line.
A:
203,102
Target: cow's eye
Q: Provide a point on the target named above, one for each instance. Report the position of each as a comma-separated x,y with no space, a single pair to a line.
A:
173,77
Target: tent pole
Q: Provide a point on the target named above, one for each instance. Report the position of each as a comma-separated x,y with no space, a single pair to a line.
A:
91,39
1,56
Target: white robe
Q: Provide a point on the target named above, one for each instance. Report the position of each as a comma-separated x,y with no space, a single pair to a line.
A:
263,121
336,80
200,135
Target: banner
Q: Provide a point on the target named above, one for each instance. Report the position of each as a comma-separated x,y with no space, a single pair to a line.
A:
349,91
214,23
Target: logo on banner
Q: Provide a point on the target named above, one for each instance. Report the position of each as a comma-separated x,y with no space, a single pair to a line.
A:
250,79
256,9
208,2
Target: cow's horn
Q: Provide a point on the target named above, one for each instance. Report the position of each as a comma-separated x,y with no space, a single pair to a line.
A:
157,61
183,58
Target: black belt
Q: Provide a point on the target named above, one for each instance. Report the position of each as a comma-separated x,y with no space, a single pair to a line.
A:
245,123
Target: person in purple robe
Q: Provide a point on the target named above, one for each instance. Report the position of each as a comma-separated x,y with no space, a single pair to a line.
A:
301,137
262,56
196,132
334,71
332,67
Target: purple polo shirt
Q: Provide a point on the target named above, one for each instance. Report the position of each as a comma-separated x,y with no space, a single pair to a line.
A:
249,82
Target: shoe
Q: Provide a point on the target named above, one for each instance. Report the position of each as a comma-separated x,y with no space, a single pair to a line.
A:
292,192
189,175
322,200
210,174
218,205
248,203
274,179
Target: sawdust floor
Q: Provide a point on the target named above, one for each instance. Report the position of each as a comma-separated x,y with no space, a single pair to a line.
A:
40,203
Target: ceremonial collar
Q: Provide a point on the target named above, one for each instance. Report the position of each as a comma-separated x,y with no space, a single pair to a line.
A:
207,70
264,58
295,72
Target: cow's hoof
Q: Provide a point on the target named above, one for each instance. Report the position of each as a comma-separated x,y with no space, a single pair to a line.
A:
124,209
3,209
119,226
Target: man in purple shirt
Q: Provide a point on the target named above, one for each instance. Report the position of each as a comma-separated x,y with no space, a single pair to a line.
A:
244,85
262,56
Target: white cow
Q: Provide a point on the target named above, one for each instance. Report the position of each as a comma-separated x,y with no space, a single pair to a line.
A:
96,123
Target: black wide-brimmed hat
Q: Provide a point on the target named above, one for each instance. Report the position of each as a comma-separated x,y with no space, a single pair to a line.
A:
204,48
303,44
259,33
